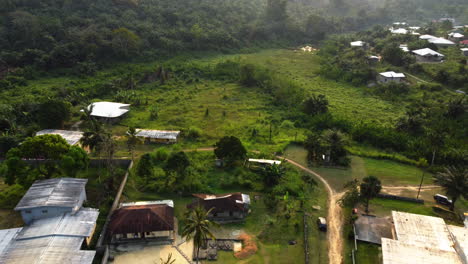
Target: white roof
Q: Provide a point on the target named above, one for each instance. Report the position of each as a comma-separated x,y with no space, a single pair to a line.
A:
464,49
399,23
426,37
108,109
397,252
358,43
440,41
265,161
373,57
161,134
427,52
169,203
72,137
456,35
404,47
460,236
399,31
415,28
392,74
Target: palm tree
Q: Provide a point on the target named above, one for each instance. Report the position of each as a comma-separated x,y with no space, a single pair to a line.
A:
370,188
197,227
334,142
454,180
132,140
169,260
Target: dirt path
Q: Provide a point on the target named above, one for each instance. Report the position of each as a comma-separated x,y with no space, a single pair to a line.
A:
418,79
334,220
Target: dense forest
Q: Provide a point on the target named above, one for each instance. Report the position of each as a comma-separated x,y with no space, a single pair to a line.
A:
51,34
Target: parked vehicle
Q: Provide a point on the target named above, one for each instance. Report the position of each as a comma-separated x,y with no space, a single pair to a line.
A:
322,224
442,199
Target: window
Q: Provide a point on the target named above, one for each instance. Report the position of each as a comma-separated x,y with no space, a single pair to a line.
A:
28,211
44,211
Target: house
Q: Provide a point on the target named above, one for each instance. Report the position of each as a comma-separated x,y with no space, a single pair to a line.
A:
72,137
428,55
263,162
399,24
57,234
390,76
399,31
426,37
404,47
143,220
424,239
158,136
455,36
441,42
227,207
52,197
108,111
464,43
359,44
464,51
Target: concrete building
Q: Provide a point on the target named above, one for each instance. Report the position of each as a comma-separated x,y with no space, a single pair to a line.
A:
108,111
390,76
143,220
424,239
52,197
158,136
427,55
56,226
72,137
229,207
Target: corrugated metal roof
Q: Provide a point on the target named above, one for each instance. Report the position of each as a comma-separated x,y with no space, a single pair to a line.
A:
47,250
265,161
427,51
72,137
358,43
159,134
80,224
6,236
109,109
440,41
60,192
392,74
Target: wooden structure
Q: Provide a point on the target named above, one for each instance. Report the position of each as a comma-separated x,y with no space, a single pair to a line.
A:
229,207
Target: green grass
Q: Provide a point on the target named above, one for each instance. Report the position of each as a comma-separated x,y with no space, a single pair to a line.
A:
383,207
389,172
368,254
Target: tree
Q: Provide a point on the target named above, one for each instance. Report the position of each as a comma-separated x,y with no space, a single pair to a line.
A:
125,42
76,159
178,162
276,12
394,55
144,168
370,187
351,196
132,140
169,260
197,227
315,104
230,148
273,174
49,147
53,113
454,180
313,145
334,143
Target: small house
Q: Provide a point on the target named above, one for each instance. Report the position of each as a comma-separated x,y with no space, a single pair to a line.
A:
404,47
464,43
143,220
441,42
52,197
358,44
261,163
427,55
426,37
373,59
229,207
390,76
108,111
464,51
72,137
400,24
158,136
456,37
399,31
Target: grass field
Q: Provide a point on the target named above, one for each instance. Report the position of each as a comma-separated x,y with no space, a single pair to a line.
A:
389,172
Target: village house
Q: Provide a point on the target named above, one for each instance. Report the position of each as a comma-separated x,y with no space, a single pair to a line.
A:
464,43
261,163
108,111
158,136
390,76
72,137
464,51
456,37
427,55
426,37
143,221
56,225
358,44
424,239
399,31
229,207
373,59
441,42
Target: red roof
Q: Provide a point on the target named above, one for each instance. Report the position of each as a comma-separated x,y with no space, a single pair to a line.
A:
464,42
142,218
220,202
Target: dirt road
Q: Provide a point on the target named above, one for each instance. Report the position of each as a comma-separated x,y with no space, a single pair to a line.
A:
334,220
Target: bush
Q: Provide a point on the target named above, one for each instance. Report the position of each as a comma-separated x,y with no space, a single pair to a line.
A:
193,133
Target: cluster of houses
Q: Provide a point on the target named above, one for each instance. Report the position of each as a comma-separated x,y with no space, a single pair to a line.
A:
407,238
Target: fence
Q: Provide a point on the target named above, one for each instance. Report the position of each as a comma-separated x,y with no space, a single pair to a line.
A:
306,239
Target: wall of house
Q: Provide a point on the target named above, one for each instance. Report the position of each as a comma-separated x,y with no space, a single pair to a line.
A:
384,79
228,215
43,212
428,59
